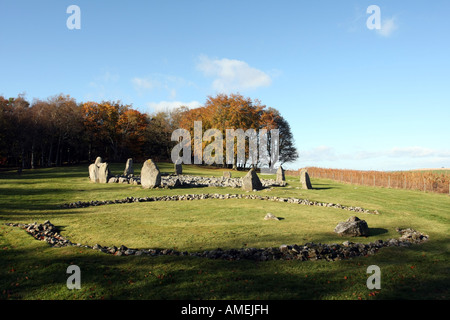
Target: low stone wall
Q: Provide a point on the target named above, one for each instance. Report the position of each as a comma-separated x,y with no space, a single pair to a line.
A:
188,181
190,197
309,251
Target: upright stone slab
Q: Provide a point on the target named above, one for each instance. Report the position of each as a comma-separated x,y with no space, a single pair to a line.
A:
94,170
227,174
103,173
280,176
129,170
93,173
178,168
304,179
251,181
150,175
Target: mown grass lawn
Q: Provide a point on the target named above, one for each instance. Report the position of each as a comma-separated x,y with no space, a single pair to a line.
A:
31,269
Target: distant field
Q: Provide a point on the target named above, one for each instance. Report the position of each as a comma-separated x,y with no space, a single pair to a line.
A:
30,269
436,170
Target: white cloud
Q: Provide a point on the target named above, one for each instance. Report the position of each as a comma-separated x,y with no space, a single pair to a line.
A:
232,75
141,84
388,26
170,105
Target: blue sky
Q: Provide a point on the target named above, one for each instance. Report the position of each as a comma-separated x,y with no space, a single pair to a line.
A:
355,98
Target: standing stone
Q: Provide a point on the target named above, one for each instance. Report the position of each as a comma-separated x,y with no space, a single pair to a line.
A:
150,175
93,173
227,174
281,180
353,227
251,181
304,179
94,170
103,173
129,171
178,168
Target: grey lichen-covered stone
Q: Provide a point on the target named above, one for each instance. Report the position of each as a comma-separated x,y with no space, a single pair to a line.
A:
270,216
178,168
150,175
280,176
99,172
304,179
129,170
251,181
103,173
353,227
93,173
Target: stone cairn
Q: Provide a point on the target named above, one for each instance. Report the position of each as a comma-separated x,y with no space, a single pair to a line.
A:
99,173
128,175
304,179
309,251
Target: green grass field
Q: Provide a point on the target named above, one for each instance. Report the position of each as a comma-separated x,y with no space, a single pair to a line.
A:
31,269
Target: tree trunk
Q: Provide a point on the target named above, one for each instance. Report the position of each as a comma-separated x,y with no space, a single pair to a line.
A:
58,157
32,156
49,162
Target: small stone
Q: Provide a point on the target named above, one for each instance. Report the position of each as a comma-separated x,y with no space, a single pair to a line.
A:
270,216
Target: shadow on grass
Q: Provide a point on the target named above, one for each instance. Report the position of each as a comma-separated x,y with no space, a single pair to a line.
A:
377,231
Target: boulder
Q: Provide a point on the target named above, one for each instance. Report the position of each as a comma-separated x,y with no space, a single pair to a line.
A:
123,180
129,171
113,180
251,181
150,175
270,216
304,179
353,227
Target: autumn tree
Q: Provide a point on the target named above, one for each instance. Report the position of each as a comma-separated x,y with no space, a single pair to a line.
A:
234,111
114,129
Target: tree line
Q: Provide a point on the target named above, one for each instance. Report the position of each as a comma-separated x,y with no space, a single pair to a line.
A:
58,130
